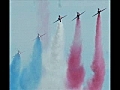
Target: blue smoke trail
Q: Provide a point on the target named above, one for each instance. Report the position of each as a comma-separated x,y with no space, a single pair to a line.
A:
15,72
31,75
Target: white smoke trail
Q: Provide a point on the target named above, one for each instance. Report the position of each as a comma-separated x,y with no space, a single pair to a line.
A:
54,63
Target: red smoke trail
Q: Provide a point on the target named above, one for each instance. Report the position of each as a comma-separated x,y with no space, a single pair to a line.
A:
44,21
75,71
98,65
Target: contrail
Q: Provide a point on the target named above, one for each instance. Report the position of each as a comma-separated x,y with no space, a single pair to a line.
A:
55,64
31,75
43,17
75,71
98,65
15,72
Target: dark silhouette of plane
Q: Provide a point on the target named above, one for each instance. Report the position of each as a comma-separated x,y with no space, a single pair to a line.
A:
20,52
78,14
60,18
98,12
41,35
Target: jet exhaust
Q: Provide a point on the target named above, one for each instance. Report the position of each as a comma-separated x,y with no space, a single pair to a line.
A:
75,70
31,75
98,65
55,64
15,72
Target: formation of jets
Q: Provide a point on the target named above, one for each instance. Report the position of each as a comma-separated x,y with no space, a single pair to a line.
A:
78,15
60,18
34,39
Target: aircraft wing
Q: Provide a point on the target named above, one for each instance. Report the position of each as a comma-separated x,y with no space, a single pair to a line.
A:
63,16
56,21
74,18
103,10
82,12
22,52
42,35
95,14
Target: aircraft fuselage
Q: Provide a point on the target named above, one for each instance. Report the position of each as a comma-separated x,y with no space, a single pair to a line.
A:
59,19
19,52
38,35
99,12
78,16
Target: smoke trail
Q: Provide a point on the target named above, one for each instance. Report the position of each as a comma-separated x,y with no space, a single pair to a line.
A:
59,3
55,64
75,71
31,75
98,65
15,72
43,18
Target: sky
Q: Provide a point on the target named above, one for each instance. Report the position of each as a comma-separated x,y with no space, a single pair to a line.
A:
24,28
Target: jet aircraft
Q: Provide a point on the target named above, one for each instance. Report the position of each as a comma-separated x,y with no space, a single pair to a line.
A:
60,18
99,11
78,14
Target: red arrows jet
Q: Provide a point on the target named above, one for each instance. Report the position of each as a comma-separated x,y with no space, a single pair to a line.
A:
78,14
98,12
59,18
41,35
20,52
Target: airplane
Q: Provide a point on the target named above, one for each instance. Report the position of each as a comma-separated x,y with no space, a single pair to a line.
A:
41,35
99,11
78,14
20,52
60,18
